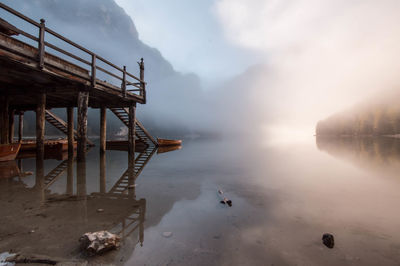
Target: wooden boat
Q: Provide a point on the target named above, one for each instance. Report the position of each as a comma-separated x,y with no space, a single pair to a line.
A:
122,145
9,169
169,148
8,152
168,142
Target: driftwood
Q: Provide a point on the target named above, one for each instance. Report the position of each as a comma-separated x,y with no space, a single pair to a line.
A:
224,199
19,259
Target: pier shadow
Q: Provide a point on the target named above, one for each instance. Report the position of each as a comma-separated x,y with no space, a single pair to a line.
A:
40,220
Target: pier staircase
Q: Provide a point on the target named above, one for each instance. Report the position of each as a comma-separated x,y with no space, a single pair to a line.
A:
122,185
54,174
141,133
61,125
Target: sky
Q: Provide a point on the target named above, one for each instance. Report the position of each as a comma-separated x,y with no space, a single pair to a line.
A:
189,35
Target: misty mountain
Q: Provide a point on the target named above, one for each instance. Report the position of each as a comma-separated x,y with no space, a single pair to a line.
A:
104,27
377,116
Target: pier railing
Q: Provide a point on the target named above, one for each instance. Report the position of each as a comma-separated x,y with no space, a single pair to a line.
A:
99,70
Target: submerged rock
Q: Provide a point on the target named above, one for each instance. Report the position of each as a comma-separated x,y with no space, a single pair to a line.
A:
99,242
328,240
224,200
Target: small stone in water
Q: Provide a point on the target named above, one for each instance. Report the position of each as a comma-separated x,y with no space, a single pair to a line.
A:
100,210
328,240
167,234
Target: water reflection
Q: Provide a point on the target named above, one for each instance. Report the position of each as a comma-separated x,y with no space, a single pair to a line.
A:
45,214
372,153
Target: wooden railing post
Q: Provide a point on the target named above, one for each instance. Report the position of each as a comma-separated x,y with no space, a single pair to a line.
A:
142,83
124,82
93,70
42,30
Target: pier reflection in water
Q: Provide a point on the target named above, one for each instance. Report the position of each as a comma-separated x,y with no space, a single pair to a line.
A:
45,213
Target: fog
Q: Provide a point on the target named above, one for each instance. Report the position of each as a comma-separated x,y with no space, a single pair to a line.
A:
320,56
314,58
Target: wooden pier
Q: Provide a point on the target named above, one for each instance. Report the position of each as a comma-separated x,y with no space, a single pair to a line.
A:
43,76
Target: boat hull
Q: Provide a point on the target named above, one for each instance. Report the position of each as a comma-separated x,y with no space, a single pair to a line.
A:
168,142
8,152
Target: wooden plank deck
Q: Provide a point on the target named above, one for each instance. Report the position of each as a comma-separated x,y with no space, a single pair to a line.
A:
60,72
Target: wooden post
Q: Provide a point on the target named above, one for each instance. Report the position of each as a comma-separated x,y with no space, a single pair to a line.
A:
93,70
131,150
141,220
131,132
124,82
142,83
39,178
40,123
102,172
70,175
81,179
83,101
41,43
1,119
103,129
20,126
11,126
5,118
70,131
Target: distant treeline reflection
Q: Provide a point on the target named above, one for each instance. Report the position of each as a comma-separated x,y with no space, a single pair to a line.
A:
367,152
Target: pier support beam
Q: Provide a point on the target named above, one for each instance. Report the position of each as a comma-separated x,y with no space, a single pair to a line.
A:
103,129
102,172
20,126
83,100
131,133
40,123
70,131
4,119
70,176
11,126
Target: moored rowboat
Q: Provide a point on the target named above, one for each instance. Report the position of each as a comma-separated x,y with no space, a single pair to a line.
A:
168,142
8,152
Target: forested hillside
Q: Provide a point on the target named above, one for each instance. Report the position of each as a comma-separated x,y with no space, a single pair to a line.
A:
377,116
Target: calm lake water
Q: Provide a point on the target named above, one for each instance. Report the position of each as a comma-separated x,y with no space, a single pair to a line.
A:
284,198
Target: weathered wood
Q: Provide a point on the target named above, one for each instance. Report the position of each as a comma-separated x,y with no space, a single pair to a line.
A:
20,126
5,117
103,129
146,132
70,176
81,178
83,99
40,125
7,28
142,83
131,130
93,73
11,123
41,43
103,172
70,131
124,82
